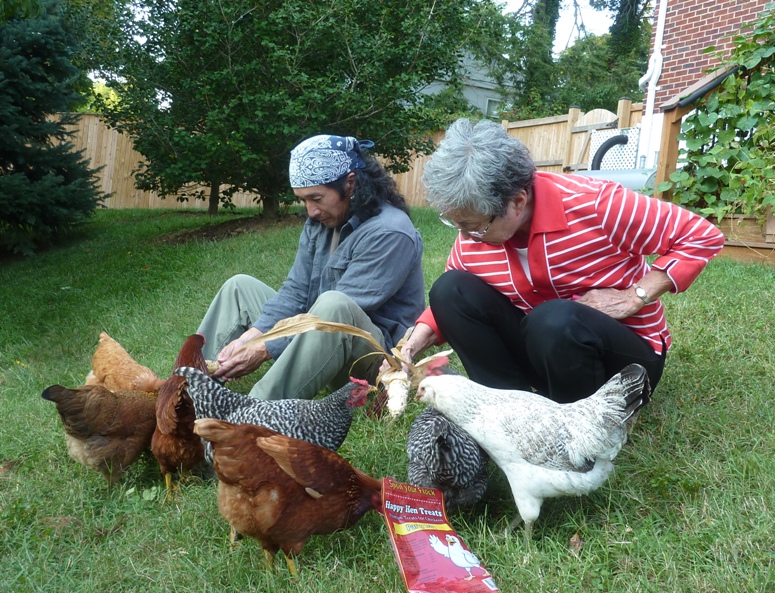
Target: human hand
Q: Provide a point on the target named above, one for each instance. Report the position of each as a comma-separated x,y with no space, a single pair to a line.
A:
240,358
615,303
406,354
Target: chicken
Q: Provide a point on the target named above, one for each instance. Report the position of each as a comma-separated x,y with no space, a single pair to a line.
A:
545,449
114,368
174,443
455,551
442,455
105,431
325,421
280,490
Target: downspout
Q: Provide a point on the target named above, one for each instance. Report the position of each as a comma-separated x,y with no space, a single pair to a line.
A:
653,73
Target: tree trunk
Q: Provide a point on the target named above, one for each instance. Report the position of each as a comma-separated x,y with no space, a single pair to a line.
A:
270,205
215,197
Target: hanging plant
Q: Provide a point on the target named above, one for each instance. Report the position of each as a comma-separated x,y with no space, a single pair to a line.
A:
729,154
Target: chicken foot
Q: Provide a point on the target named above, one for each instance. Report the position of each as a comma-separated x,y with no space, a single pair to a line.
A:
527,532
269,556
234,539
292,566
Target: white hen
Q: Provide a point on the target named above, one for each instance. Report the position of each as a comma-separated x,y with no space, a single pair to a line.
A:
545,449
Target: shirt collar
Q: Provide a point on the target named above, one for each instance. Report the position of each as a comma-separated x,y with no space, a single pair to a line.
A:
548,209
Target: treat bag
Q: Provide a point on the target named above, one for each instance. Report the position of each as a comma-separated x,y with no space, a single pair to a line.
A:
431,556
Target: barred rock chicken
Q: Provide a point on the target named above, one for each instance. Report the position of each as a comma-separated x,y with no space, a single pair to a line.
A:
105,431
325,421
174,443
114,368
442,455
281,490
545,449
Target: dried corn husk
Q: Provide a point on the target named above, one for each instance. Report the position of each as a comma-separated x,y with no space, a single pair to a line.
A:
398,379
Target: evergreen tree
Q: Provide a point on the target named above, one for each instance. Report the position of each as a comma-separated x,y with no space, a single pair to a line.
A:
46,188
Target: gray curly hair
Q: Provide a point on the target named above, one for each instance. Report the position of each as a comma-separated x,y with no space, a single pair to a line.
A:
477,167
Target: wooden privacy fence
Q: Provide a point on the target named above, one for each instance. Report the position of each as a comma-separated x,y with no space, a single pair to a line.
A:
558,144
113,151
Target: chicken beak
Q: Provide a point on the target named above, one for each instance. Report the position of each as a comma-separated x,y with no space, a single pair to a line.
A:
420,392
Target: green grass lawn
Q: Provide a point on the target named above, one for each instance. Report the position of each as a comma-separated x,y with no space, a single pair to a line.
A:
691,507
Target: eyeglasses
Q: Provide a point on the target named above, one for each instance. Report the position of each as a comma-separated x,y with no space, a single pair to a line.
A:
474,234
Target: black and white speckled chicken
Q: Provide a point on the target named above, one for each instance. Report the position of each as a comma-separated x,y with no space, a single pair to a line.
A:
324,421
545,449
442,455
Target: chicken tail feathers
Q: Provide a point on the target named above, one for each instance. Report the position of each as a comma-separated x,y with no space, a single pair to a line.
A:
190,354
56,393
637,389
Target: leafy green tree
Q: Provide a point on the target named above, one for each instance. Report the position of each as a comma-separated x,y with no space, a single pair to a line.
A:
498,42
584,78
539,63
218,93
594,72
45,188
626,32
19,8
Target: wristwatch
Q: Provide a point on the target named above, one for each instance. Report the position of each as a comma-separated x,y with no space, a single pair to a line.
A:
642,294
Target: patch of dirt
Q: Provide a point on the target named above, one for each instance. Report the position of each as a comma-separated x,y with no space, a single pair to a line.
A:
230,228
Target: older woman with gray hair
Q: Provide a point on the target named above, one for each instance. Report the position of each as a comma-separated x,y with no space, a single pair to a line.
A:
359,262
547,287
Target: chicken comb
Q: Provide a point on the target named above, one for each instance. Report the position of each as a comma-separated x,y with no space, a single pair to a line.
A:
360,393
432,369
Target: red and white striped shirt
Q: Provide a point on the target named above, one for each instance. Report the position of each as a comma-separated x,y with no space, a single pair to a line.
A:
590,233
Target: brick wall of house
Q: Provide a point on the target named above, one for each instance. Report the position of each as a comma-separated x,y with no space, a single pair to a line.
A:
690,27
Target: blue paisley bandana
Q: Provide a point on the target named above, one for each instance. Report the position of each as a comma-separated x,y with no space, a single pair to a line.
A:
323,159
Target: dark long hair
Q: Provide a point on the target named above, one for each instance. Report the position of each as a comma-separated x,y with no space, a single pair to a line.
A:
373,187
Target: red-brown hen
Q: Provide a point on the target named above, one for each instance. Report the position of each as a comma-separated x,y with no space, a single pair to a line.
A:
281,490
174,443
114,368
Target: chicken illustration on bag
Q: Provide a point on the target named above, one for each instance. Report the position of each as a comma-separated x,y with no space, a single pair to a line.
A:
455,551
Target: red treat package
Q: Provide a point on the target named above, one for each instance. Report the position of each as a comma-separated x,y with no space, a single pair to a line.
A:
431,556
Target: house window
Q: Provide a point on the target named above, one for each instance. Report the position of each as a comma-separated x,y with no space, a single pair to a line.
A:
493,108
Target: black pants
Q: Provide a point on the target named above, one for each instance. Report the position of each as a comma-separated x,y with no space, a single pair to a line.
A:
562,349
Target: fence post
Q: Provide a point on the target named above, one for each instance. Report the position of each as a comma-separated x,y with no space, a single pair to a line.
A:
624,112
574,113
668,148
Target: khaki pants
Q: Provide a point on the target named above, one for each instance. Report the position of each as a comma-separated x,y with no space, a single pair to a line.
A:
313,360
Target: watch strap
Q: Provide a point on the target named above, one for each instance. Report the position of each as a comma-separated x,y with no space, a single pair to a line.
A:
642,294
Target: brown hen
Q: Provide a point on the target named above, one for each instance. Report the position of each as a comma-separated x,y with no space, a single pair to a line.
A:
105,431
281,490
174,443
114,368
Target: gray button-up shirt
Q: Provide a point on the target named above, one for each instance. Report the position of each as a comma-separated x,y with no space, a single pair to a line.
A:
378,264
